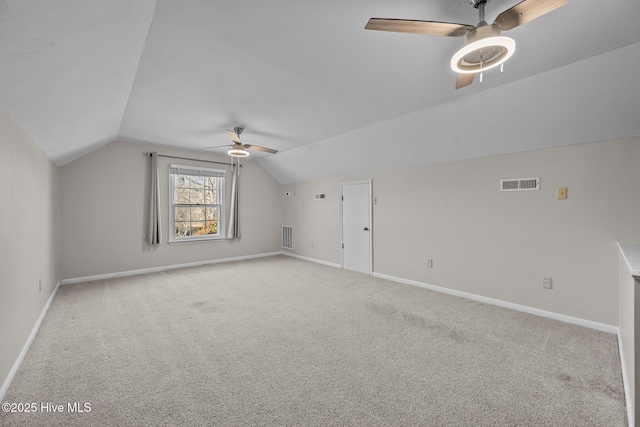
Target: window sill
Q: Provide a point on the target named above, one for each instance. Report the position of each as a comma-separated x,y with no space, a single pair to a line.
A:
201,240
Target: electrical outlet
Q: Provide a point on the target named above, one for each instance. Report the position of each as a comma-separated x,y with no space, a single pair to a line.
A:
430,263
562,193
546,283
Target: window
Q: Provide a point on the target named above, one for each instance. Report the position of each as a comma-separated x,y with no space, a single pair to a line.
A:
196,210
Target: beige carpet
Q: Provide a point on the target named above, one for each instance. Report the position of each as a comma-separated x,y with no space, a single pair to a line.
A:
282,342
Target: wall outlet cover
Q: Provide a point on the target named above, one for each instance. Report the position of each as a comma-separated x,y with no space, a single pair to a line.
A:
562,193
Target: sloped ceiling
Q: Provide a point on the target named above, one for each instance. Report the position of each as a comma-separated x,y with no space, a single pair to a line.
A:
68,68
305,78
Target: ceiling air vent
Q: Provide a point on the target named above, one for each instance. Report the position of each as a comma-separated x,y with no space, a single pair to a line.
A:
520,184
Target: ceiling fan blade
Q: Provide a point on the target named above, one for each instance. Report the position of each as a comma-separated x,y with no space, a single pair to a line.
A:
217,146
526,11
234,137
259,148
418,27
464,80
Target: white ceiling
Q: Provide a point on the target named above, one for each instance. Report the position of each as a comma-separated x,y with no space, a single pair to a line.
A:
301,76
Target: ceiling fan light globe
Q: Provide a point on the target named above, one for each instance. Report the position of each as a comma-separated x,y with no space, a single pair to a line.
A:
506,46
237,152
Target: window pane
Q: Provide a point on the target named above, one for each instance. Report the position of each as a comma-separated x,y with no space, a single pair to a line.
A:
197,213
211,227
211,213
182,229
196,196
210,183
211,197
180,181
196,181
197,229
182,213
181,196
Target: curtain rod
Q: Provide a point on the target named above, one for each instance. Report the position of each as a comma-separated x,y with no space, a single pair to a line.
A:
195,160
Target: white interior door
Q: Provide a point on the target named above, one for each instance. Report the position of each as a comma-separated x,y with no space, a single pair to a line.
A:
356,226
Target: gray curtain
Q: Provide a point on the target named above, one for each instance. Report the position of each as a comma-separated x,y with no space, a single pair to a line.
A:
155,230
233,232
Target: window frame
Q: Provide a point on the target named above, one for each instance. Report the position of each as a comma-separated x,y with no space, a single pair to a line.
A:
203,172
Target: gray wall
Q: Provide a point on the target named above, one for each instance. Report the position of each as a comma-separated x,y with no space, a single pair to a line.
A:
29,237
105,204
491,243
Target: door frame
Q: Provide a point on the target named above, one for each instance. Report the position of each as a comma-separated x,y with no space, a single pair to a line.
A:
369,182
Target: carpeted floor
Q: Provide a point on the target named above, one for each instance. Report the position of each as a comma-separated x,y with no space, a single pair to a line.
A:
283,342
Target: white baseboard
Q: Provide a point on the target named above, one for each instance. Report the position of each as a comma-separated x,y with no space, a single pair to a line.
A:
25,349
317,261
163,268
526,309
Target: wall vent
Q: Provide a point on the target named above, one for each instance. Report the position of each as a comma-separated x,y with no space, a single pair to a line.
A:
319,196
287,237
520,184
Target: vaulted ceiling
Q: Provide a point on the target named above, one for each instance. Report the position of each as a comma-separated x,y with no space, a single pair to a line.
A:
305,78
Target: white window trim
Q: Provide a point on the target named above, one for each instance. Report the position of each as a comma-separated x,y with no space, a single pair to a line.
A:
221,220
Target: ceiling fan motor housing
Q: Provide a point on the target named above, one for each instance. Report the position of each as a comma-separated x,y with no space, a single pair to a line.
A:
485,48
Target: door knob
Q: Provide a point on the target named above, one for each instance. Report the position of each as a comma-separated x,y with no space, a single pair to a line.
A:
366,229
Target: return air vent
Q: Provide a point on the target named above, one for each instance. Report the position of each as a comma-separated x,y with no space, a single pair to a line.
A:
520,184
319,196
287,237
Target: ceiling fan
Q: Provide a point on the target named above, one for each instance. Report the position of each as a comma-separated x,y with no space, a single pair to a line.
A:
238,148
485,48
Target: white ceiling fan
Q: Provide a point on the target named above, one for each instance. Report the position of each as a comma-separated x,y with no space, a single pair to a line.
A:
238,149
485,47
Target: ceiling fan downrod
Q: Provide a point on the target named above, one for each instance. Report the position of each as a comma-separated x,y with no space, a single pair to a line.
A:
480,4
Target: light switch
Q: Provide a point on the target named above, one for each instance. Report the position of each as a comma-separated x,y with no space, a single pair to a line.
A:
562,193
